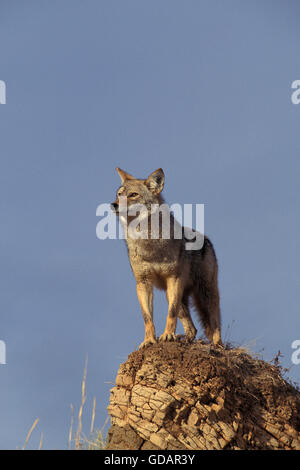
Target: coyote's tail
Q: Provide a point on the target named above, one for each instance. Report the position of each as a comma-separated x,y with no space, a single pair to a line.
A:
205,291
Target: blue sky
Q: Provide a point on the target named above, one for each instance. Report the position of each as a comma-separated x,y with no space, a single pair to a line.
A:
199,88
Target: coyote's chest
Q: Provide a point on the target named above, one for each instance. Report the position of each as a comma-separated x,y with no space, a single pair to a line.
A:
154,259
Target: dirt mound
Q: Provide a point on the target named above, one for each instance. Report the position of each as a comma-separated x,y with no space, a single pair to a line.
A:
198,396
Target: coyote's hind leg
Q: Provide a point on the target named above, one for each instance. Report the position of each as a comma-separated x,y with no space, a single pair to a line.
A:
174,296
186,320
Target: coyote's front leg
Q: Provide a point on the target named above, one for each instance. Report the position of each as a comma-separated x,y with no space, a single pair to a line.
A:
145,296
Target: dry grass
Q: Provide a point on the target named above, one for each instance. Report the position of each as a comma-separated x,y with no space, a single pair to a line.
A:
29,433
94,440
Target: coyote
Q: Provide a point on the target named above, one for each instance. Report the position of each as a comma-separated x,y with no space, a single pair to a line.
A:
166,264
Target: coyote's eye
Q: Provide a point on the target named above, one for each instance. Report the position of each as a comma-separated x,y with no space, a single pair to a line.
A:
133,195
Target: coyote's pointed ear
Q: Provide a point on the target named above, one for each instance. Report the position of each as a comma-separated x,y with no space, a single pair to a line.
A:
155,182
123,175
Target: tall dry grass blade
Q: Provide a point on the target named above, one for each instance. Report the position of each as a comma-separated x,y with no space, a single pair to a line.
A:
93,415
71,427
29,433
79,429
41,441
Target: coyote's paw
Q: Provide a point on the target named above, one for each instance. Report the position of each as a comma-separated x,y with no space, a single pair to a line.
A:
147,342
167,337
190,336
187,338
219,345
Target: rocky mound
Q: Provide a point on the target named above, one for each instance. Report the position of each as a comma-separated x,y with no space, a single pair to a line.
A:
198,396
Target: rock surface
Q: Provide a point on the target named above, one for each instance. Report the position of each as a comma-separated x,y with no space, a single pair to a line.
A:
197,396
